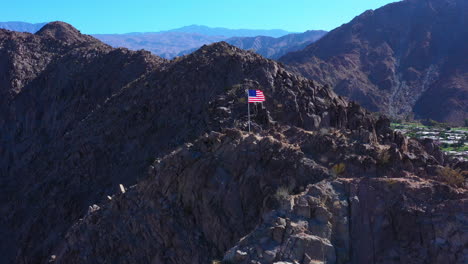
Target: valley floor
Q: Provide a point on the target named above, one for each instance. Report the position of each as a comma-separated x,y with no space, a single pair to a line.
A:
453,141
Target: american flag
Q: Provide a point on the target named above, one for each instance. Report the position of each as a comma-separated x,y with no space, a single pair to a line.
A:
256,96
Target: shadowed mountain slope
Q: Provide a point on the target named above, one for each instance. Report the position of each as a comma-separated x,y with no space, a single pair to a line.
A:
402,59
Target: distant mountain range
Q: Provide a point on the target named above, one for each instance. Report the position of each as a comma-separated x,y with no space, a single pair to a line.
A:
274,48
405,59
172,43
220,31
185,40
181,41
166,45
22,26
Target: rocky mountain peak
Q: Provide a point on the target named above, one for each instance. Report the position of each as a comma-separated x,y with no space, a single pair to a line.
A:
220,48
64,32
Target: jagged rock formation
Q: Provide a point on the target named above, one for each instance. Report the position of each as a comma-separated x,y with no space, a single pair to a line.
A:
402,59
89,121
389,220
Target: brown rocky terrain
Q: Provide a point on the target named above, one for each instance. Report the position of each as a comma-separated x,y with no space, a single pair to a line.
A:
193,183
270,200
404,59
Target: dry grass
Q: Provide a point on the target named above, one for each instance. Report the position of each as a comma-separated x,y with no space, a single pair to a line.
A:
282,193
384,158
451,176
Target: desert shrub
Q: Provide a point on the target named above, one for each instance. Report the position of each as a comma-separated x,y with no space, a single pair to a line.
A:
282,193
384,158
338,169
409,117
451,176
237,86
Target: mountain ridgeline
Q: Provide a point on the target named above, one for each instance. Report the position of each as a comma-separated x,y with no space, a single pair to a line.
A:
119,156
22,26
220,31
406,59
170,44
274,48
185,40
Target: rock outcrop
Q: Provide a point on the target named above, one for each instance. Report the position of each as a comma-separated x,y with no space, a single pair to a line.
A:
405,59
386,220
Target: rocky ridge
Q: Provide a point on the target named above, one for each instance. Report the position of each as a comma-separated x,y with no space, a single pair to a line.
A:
258,198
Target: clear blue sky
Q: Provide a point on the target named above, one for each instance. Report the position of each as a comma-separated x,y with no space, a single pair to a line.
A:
104,16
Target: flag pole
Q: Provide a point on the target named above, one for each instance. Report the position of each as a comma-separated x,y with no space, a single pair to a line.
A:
248,108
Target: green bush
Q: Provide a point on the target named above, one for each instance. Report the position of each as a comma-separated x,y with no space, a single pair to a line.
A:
433,123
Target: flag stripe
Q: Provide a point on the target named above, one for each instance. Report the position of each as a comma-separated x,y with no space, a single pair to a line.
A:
259,96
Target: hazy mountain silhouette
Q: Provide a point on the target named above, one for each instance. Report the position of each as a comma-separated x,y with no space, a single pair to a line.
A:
184,41
274,48
166,45
22,26
227,32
